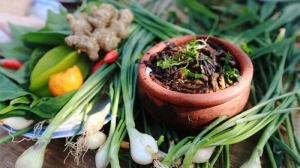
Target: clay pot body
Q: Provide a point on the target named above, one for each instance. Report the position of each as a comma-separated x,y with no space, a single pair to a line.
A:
193,112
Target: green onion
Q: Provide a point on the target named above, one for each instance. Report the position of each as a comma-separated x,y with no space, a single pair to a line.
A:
102,158
34,156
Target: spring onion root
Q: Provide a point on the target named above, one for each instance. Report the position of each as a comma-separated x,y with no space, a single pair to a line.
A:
92,137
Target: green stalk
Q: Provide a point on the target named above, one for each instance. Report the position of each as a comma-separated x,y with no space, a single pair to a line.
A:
290,133
105,150
157,33
253,93
116,143
262,115
126,78
264,77
212,140
168,159
269,118
143,16
286,149
264,101
115,97
216,156
271,156
226,156
16,134
187,149
79,97
231,122
35,154
268,131
192,150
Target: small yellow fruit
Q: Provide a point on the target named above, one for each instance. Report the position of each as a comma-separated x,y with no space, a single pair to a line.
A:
65,81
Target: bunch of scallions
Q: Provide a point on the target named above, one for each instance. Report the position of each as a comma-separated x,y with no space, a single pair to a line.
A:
269,38
266,31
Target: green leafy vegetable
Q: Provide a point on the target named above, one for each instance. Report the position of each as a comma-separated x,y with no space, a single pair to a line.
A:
9,90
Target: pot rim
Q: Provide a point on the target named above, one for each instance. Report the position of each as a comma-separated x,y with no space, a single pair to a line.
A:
219,97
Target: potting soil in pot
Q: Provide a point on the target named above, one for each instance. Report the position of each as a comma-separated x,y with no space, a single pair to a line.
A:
196,67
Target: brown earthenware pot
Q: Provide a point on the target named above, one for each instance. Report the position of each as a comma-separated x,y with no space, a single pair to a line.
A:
193,112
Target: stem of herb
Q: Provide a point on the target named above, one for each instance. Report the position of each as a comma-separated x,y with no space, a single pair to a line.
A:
16,134
217,155
271,156
226,156
286,149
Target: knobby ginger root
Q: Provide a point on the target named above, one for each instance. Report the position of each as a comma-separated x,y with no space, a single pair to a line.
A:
103,29
79,25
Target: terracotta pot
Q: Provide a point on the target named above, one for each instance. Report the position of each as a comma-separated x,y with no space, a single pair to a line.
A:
193,112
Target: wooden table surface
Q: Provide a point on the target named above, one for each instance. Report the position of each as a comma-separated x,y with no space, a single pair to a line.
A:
56,157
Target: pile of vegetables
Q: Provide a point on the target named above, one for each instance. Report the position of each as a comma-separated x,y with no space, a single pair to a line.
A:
103,29
268,36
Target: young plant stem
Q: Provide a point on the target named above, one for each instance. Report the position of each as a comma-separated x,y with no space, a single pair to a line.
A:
198,140
16,134
270,155
114,94
82,96
290,133
286,149
226,156
217,155
168,159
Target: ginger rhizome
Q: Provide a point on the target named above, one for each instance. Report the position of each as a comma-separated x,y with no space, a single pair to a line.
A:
103,29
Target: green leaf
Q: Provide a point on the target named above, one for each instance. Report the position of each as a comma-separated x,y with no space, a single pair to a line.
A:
10,45
10,108
16,49
267,9
56,22
21,76
250,34
20,53
270,48
242,19
289,13
48,108
47,37
9,90
15,113
201,9
191,74
18,31
21,100
253,6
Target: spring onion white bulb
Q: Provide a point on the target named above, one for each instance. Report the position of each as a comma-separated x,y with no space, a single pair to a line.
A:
102,156
203,155
16,123
253,161
95,120
91,137
94,141
143,147
33,157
